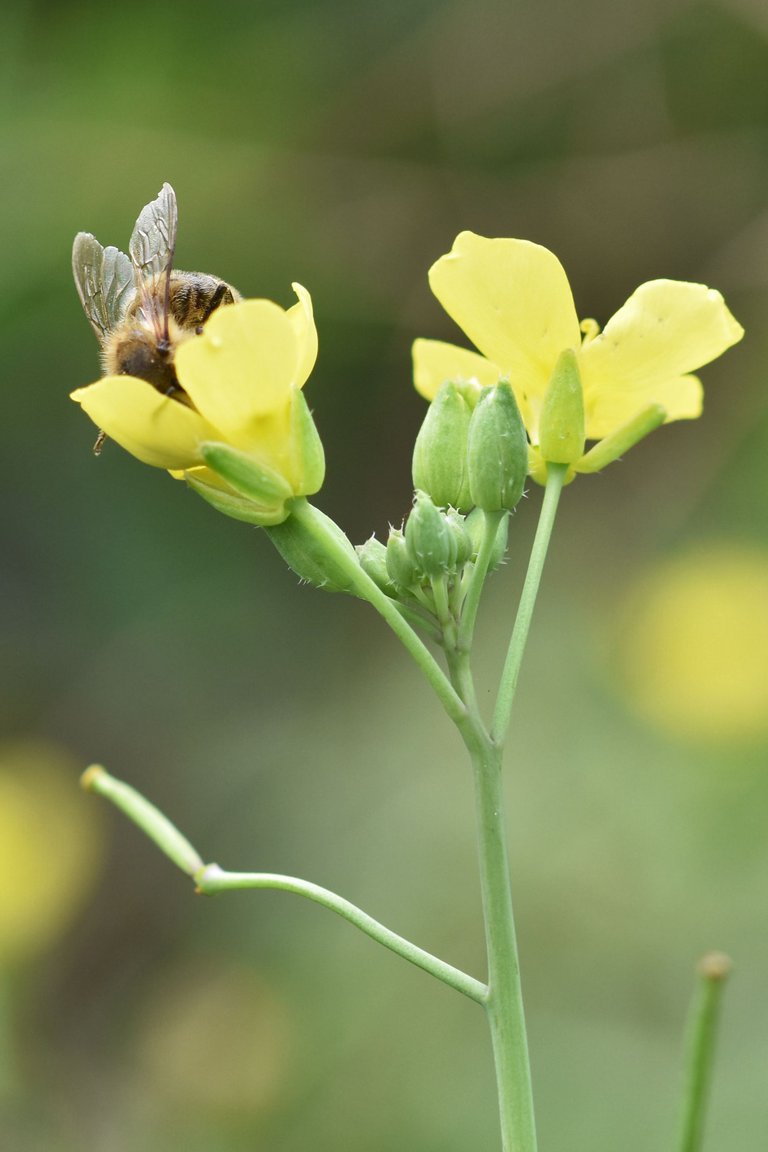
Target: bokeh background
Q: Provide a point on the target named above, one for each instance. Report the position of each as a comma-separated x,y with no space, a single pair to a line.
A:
344,144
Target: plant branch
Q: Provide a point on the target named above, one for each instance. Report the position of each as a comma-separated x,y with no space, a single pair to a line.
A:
502,712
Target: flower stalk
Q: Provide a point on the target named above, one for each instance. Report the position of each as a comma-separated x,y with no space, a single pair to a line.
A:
711,974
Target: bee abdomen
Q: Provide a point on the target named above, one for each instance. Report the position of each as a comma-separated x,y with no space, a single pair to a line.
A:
195,295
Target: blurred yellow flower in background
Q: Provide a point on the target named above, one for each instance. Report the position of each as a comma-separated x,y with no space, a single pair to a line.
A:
214,1037
241,381
694,650
50,847
513,300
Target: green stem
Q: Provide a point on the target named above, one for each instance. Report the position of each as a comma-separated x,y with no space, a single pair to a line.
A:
504,1001
502,712
213,879
9,1081
365,587
210,879
491,522
712,971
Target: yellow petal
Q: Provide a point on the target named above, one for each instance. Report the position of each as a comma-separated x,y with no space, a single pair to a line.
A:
513,300
610,410
155,428
241,368
434,362
665,330
303,321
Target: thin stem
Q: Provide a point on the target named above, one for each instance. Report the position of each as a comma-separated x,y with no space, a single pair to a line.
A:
9,1079
210,879
368,590
712,971
502,712
491,522
417,619
213,879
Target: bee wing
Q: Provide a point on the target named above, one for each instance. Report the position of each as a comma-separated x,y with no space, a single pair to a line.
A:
104,280
152,246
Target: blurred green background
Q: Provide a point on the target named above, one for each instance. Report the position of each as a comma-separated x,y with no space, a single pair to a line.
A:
344,145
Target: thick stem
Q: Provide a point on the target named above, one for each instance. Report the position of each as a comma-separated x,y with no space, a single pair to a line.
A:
504,1002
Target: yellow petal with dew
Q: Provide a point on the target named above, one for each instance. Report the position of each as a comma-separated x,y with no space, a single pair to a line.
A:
513,300
608,411
241,367
302,318
667,329
435,362
157,429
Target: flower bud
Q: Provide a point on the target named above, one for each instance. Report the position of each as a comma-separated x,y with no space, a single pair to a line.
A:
399,563
306,553
373,561
430,539
440,452
461,536
561,427
497,450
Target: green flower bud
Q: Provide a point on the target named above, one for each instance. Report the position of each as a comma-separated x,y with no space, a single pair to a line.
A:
498,450
373,561
462,538
305,551
430,539
561,428
475,524
440,452
399,563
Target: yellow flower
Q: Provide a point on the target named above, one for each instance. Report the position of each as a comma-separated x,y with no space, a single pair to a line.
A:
242,380
693,651
513,300
50,848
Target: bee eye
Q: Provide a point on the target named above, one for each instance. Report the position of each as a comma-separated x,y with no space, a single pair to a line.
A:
199,330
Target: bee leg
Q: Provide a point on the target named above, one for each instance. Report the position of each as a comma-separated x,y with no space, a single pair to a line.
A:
213,304
99,444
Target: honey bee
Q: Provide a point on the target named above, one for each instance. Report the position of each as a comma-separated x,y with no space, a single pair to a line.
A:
138,306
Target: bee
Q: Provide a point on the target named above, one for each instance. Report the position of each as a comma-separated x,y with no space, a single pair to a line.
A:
140,308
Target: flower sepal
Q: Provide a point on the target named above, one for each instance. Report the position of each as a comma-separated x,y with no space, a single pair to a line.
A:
561,426
246,474
620,441
230,503
315,548
309,457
